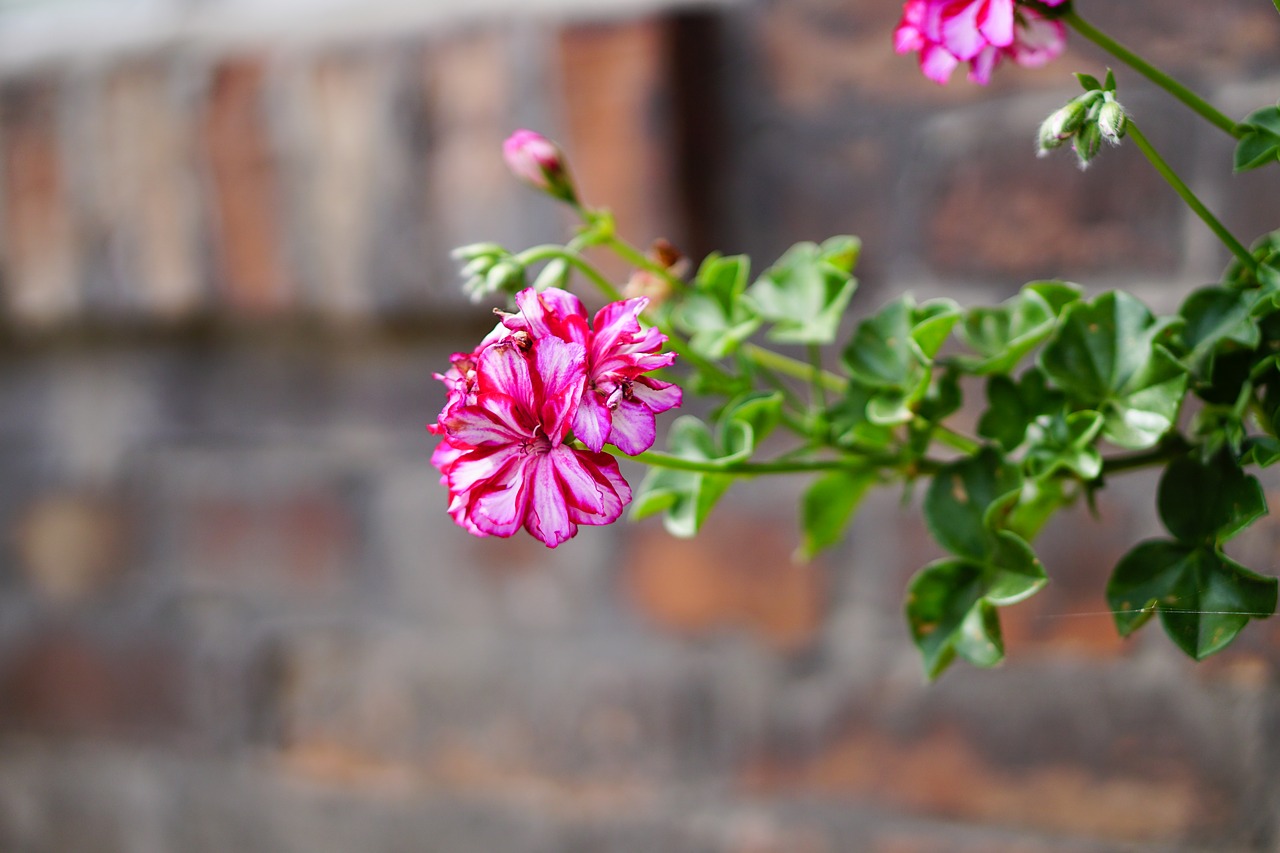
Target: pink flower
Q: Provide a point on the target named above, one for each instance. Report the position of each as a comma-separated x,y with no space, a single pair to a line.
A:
980,32
618,403
539,162
503,457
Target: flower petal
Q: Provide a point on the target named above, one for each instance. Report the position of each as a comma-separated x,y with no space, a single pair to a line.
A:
592,421
503,369
495,420
996,21
562,374
937,64
614,492
547,516
633,427
656,395
498,504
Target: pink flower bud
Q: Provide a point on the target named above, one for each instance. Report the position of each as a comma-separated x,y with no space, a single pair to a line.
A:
538,162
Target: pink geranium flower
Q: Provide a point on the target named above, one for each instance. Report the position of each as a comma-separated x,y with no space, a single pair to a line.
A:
979,32
618,403
503,457
538,162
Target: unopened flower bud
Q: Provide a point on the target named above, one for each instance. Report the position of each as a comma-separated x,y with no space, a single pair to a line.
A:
505,277
538,162
1087,142
473,251
1112,121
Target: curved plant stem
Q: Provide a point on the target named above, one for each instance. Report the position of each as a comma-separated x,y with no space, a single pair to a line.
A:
658,459
1196,103
956,441
794,368
1227,238
575,260
815,382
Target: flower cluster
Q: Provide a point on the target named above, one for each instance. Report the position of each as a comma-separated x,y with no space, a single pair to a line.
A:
980,32
543,378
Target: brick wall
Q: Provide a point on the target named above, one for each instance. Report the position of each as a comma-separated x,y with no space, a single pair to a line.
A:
233,615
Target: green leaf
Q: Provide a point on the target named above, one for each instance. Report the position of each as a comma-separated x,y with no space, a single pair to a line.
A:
1203,597
686,497
1109,85
1260,143
828,505
891,354
1067,442
850,425
1088,82
1002,335
961,493
1011,408
747,420
948,616
806,292
713,313
1214,316
1263,451
1208,501
1105,355
1014,573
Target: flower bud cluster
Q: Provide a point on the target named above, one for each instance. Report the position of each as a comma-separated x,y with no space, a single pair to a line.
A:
487,268
1087,121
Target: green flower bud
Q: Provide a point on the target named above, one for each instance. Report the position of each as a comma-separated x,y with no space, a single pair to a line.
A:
1112,121
1087,142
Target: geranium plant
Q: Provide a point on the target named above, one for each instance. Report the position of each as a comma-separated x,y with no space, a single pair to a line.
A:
1078,388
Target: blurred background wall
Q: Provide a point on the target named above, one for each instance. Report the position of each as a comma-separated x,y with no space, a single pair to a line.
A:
233,614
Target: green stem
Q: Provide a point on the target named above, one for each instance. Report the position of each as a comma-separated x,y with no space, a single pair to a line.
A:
1163,452
659,459
794,368
1227,238
815,381
553,252
956,441
1196,103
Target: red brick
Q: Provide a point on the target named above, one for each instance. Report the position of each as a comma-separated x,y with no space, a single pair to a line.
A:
65,682
738,572
941,773
618,139
245,189
40,243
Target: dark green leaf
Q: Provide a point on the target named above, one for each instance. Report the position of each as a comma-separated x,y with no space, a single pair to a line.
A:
806,292
828,505
1109,84
1203,597
1214,316
1260,144
1263,451
1105,355
1014,572
850,425
1004,334
948,616
956,505
1067,441
1208,502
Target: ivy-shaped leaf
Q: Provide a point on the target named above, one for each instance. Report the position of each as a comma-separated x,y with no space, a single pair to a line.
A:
891,355
1012,408
1260,143
687,497
828,505
1002,335
1204,598
1105,355
713,313
1067,442
951,603
806,292
1213,317
1208,502
959,497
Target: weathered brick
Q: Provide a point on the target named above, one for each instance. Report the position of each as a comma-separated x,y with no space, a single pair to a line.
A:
141,201
245,189
67,682
42,267
618,135
738,572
